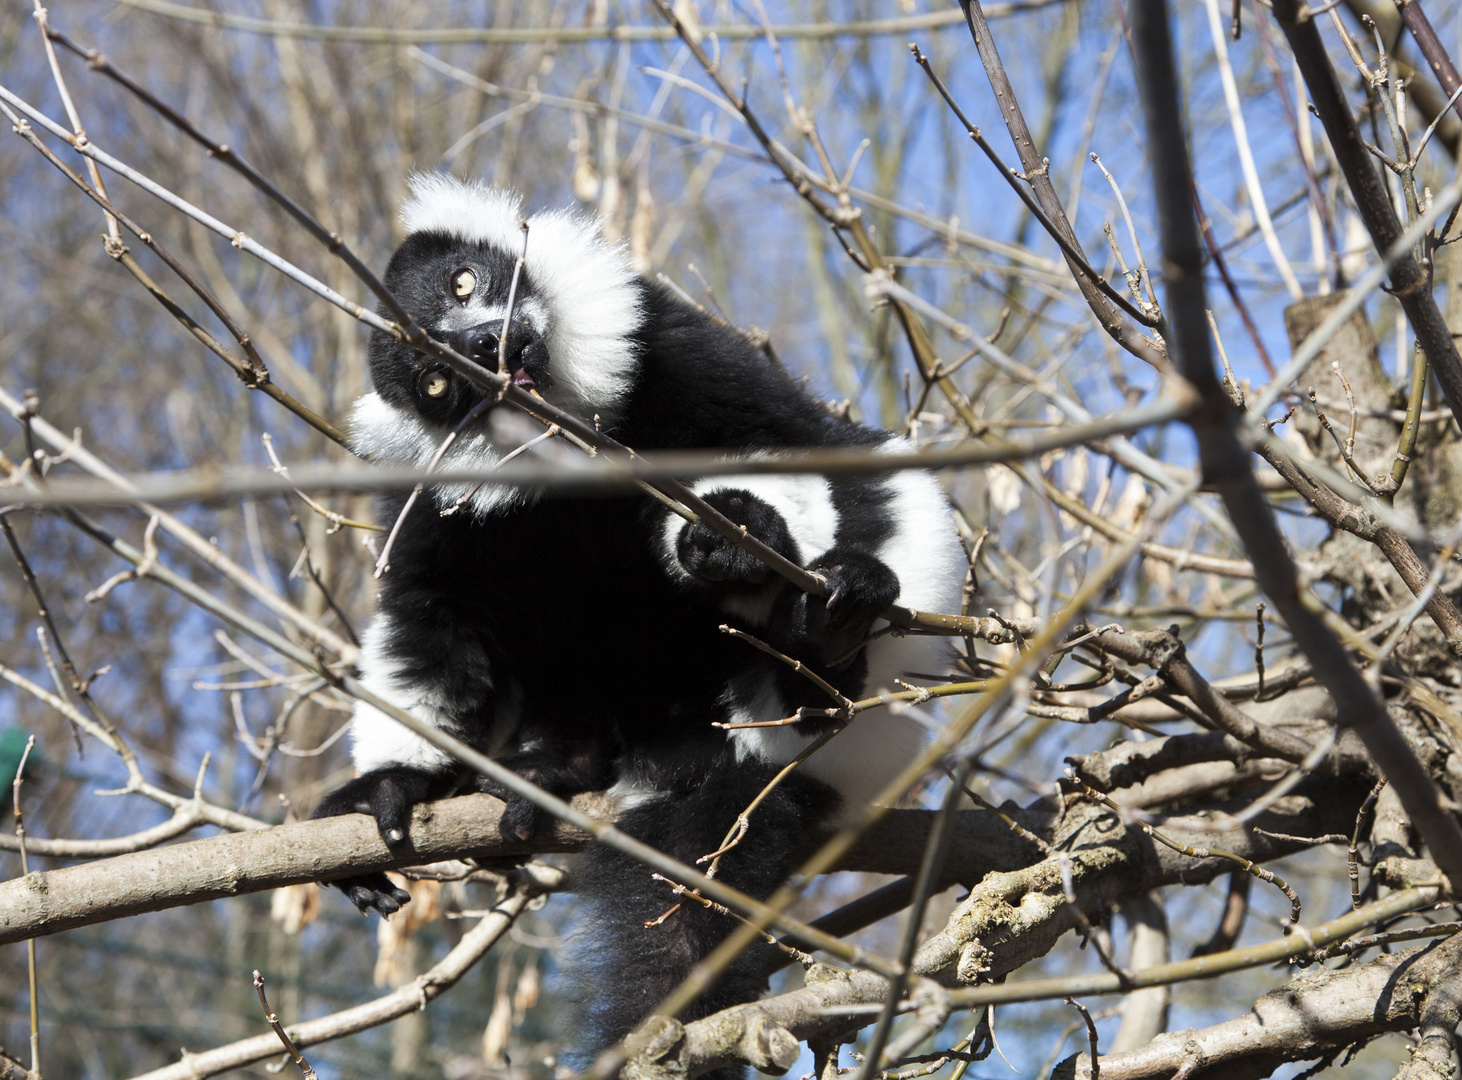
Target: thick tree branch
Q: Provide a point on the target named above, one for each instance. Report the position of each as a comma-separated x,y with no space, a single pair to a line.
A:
47,902
1441,1011
1319,1012
1013,917
1129,764
834,1001
237,863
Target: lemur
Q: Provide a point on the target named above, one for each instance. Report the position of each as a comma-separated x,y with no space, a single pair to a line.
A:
577,639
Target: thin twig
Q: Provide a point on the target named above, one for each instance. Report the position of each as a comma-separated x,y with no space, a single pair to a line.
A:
30,942
1149,297
273,1021
337,521
1353,862
1140,345
74,683
1246,155
1091,1031
845,704
1068,245
554,34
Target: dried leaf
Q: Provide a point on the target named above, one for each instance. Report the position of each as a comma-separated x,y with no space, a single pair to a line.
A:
294,907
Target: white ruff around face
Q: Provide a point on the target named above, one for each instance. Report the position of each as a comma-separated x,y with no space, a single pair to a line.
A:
587,287
400,437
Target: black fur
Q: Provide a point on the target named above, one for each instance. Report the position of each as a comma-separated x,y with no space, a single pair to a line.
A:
557,635
625,946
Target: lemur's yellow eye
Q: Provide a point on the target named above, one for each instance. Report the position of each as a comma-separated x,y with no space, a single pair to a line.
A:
433,383
463,282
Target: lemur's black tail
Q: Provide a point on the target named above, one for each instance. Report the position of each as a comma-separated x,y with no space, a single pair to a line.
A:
627,968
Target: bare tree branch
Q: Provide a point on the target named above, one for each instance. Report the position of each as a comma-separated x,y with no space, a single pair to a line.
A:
524,884
1037,174
1226,466
1409,283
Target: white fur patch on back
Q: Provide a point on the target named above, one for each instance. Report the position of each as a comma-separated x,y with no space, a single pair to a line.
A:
587,287
377,740
924,551
385,433
859,763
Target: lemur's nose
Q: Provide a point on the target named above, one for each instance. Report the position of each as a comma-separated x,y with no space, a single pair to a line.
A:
483,342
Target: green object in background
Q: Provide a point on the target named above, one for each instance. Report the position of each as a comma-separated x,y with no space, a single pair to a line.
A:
12,749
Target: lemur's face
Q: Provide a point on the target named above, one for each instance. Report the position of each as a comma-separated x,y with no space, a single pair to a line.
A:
458,292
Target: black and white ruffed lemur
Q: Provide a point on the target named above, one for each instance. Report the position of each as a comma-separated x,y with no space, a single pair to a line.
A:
576,639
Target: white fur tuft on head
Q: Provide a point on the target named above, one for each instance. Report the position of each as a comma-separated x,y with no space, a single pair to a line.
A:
586,284
467,209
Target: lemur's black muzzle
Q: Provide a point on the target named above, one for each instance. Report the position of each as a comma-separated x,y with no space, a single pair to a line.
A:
526,355
447,398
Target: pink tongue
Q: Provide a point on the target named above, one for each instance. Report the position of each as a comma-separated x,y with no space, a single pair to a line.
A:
522,378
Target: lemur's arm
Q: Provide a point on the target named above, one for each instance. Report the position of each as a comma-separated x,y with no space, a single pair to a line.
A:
798,518
398,768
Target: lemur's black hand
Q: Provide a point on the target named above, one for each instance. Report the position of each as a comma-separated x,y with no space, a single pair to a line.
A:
563,771
388,796
709,556
373,892
520,817
859,587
